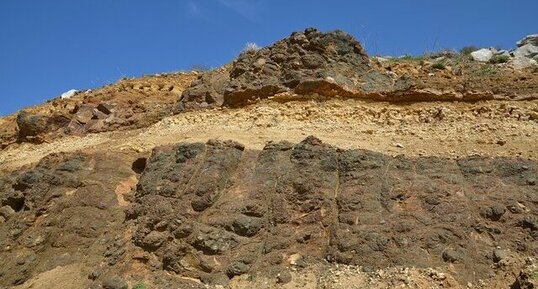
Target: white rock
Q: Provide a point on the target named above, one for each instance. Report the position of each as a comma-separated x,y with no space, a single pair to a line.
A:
330,79
522,62
527,50
503,53
529,39
381,59
69,94
482,55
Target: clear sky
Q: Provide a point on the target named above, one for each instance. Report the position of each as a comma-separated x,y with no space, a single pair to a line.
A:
50,46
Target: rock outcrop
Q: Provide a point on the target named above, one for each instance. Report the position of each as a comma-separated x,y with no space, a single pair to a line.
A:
482,55
128,104
215,210
212,211
32,127
524,56
309,62
312,65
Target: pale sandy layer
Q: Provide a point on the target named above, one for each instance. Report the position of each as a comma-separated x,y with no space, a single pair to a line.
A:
421,129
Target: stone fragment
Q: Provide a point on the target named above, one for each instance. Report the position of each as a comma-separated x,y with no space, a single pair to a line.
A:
519,63
482,55
527,50
114,282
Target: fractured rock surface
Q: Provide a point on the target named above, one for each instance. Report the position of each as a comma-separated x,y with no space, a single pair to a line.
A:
210,210
213,211
61,212
312,64
307,62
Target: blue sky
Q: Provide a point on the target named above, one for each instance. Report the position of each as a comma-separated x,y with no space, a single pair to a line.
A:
49,47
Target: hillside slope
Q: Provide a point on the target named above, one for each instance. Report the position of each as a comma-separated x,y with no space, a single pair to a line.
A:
306,164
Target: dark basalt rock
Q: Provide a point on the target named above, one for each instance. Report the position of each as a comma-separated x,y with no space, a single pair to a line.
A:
212,211
346,206
308,62
58,212
31,127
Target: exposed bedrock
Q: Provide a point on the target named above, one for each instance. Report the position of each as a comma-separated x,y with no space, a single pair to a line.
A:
307,62
215,209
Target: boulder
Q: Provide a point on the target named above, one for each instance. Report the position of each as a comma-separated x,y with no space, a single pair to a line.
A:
519,63
306,63
503,53
7,212
83,113
114,282
68,94
33,127
527,50
91,118
106,108
208,89
30,125
237,268
482,55
529,39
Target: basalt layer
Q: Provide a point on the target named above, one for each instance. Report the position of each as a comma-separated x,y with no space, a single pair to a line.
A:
217,210
334,64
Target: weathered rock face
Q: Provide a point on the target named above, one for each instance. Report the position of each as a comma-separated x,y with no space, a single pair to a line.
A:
214,211
127,104
62,211
217,210
31,127
527,50
522,62
307,62
526,54
207,90
94,118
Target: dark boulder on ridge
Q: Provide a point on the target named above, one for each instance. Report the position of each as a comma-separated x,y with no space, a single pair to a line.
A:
309,62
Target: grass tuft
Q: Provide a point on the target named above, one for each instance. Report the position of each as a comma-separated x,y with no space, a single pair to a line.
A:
468,49
499,59
139,286
439,66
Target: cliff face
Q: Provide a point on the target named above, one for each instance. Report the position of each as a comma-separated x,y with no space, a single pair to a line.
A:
426,176
211,209
217,210
335,65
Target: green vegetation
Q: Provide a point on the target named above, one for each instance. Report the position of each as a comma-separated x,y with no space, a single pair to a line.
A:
468,49
534,276
200,68
499,59
411,57
139,286
439,65
485,70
